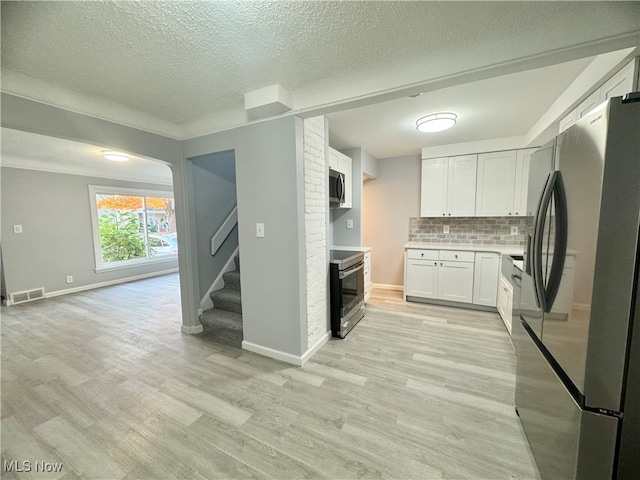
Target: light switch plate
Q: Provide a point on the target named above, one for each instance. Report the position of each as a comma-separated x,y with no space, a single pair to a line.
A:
260,230
445,229
17,229
349,223
514,230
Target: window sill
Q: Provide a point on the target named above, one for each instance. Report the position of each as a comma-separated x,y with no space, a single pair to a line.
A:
135,264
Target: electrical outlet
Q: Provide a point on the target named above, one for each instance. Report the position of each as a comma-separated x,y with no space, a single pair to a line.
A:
446,229
514,230
349,223
17,229
69,279
260,230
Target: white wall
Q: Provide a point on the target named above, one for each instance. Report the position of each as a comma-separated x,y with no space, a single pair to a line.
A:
388,202
316,205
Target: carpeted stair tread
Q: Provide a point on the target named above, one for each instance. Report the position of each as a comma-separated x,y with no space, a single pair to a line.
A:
232,280
223,326
227,299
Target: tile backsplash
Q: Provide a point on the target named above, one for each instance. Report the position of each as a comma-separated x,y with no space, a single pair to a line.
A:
467,230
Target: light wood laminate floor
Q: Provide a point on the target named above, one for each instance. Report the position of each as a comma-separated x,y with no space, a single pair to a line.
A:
104,383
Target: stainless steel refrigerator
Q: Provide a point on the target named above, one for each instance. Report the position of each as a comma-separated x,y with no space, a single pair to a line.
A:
578,338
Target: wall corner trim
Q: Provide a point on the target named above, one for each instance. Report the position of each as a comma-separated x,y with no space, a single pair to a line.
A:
317,346
191,329
298,360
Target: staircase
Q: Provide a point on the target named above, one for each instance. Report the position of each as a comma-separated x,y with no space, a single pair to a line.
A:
224,321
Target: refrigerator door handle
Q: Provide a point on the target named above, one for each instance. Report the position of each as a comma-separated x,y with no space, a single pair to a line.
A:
560,241
554,190
537,243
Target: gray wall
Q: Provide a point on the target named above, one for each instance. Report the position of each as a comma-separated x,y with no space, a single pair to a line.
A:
270,190
22,114
389,201
214,187
55,214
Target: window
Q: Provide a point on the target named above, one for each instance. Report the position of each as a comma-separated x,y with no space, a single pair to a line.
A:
132,226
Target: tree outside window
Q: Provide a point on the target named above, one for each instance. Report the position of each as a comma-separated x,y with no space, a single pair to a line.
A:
135,227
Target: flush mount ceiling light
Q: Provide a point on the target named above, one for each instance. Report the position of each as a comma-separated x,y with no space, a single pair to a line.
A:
436,122
115,156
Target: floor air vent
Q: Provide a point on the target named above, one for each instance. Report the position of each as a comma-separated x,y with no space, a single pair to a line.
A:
26,296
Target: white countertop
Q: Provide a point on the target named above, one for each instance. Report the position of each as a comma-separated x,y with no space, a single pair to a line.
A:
351,249
502,249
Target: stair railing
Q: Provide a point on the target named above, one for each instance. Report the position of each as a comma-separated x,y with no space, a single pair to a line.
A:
224,230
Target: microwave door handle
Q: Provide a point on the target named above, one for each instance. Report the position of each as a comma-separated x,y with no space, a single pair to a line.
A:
538,240
340,189
560,241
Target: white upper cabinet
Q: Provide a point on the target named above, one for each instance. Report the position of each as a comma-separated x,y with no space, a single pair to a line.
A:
523,159
623,82
503,179
448,186
496,184
461,186
434,187
333,159
341,163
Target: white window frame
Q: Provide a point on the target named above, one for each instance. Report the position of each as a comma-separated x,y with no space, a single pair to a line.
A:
134,192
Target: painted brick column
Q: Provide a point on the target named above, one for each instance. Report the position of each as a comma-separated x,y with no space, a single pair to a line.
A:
315,208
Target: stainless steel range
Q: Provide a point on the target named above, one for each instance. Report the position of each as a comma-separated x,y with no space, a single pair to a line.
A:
347,291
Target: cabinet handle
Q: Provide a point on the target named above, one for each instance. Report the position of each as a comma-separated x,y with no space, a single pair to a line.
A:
440,263
516,213
449,214
435,264
456,256
443,214
509,213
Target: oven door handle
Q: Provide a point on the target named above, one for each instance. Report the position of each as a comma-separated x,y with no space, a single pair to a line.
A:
350,270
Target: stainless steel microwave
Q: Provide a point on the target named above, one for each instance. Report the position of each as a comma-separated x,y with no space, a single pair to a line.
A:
336,188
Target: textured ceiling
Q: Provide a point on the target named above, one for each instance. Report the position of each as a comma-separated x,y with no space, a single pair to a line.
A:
182,68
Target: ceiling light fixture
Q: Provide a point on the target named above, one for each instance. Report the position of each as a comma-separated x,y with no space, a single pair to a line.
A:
115,156
436,122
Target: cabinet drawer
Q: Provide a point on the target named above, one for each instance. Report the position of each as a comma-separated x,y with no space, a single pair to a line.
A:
422,254
457,256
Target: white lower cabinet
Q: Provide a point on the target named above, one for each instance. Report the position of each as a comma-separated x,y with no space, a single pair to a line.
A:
421,273
442,275
455,281
505,301
485,282
456,276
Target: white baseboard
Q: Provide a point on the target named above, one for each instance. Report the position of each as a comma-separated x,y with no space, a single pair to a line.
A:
206,303
191,329
385,286
271,353
83,288
317,346
298,360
